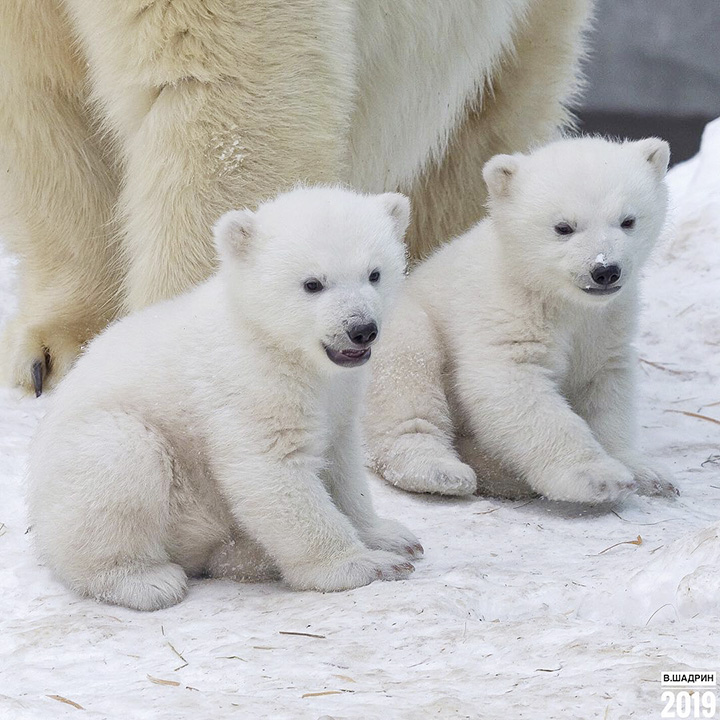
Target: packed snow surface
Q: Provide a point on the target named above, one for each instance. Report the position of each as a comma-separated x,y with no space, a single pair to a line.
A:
519,609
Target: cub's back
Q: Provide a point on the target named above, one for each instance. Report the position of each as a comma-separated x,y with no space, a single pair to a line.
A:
153,359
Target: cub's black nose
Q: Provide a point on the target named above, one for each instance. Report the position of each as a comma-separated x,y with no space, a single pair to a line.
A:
605,274
363,334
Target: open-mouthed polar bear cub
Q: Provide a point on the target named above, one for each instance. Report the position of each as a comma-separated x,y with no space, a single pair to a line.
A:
509,363
218,433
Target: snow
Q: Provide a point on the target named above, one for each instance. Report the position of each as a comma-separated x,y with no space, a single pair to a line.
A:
519,609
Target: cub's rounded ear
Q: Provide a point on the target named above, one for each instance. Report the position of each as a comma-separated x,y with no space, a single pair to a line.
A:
657,153
398,207
498,173
234,232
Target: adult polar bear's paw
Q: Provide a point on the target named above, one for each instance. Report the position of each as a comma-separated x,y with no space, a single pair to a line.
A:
35,360
345,573
420,463
141,588
393,537
601,481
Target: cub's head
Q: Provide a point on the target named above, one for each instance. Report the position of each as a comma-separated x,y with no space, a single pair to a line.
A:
316,269
579,216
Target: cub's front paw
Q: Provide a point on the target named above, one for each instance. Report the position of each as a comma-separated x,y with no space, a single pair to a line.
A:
601,481
651,479
360,568
394,537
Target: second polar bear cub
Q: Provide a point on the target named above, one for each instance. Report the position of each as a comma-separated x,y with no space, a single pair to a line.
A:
509,364
219,433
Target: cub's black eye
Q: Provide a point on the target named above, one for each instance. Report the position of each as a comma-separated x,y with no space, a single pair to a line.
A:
564,228
628,223
374,276
313,286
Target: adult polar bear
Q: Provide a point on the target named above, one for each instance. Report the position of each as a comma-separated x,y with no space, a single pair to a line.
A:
128,126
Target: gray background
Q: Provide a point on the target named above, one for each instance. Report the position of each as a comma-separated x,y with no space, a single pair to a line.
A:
654,68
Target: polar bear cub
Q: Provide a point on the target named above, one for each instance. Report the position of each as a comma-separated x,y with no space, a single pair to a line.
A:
509,362
219,433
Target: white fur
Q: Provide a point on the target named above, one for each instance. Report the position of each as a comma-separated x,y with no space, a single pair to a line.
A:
212,433
420,63
499,364
128,126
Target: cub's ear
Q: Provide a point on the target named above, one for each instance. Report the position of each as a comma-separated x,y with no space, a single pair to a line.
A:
657,153
498,173
398,207
234,233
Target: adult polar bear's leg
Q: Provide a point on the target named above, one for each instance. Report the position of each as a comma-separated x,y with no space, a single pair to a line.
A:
522,104
217,105
57,190
419,64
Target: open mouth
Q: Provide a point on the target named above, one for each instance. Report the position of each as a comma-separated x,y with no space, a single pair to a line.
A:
348,358
601,291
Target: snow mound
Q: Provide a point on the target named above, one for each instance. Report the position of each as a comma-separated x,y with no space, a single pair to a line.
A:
695,189
682,581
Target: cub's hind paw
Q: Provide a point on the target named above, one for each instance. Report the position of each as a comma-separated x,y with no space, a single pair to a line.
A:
420,463
142,588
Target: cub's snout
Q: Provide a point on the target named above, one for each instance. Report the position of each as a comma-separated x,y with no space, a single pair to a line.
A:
363,333
605,275
606,279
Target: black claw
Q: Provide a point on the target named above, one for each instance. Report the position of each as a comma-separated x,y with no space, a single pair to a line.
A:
37,371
